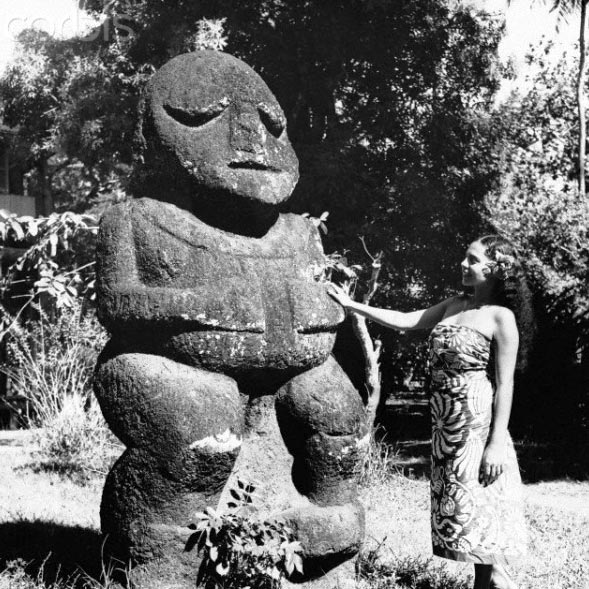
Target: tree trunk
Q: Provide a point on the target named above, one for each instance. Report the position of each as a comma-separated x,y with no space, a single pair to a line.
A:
371,353
370,349
581,99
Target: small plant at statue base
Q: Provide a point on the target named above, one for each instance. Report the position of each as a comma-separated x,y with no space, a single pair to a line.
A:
239,551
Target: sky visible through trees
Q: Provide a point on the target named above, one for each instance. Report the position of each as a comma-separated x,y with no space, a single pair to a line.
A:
64,18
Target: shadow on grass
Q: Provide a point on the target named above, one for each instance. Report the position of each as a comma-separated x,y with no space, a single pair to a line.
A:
51,550
19,437
406,427
12,443
73,472
549,461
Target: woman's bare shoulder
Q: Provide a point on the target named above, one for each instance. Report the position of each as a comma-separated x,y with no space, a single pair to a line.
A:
501,313
504,320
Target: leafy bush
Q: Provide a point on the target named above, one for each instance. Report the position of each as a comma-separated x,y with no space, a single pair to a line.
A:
58,257
538,205
240,551
538,202
51,359
50,363
76,439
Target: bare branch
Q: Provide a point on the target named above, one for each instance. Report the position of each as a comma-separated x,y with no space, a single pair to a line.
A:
371,350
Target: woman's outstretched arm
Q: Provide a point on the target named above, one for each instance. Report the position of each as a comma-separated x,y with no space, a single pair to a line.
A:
422,319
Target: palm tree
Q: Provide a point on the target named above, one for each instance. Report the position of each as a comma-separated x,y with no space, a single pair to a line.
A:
565,8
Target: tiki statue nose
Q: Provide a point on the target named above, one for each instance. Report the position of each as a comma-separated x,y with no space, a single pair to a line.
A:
248,133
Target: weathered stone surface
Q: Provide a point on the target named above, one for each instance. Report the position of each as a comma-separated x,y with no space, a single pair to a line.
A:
222,333
208,91
322,421
336,531
320,400
218,301
156,403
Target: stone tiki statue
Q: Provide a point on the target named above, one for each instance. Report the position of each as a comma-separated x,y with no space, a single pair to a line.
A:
220,359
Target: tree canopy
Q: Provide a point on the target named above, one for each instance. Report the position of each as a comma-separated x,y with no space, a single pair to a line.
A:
379,98
537,204
382,101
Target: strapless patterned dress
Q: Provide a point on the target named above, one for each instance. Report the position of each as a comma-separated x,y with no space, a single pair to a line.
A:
470,522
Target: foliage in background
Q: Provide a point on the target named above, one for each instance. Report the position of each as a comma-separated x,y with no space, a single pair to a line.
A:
56,264
538,205
72,105
51,339
50,362
240,551
564,9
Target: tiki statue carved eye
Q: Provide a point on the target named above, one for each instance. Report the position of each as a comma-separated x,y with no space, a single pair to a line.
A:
272,118
197,117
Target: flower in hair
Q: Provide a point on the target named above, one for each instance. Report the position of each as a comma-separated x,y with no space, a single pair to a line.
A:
503,266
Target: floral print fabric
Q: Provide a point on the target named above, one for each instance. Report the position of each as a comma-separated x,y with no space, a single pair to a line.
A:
470,522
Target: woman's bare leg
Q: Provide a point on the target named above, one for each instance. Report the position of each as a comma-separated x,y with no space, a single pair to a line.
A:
482,576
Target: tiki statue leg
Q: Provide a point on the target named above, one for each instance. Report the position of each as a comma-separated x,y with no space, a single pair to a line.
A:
182,428
322,420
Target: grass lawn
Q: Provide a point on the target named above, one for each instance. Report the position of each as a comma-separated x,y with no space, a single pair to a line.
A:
47,517
557,514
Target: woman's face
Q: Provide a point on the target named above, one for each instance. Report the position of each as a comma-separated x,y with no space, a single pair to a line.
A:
475,266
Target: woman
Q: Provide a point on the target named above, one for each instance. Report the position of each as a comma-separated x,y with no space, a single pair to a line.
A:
476,492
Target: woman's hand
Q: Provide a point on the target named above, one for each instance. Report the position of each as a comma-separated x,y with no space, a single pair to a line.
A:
339,294
492,464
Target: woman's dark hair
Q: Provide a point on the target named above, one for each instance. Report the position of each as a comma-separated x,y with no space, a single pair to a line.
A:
512,290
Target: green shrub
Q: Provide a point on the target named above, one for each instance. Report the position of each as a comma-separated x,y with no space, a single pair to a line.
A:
76,439
51,363
51,359
240,551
